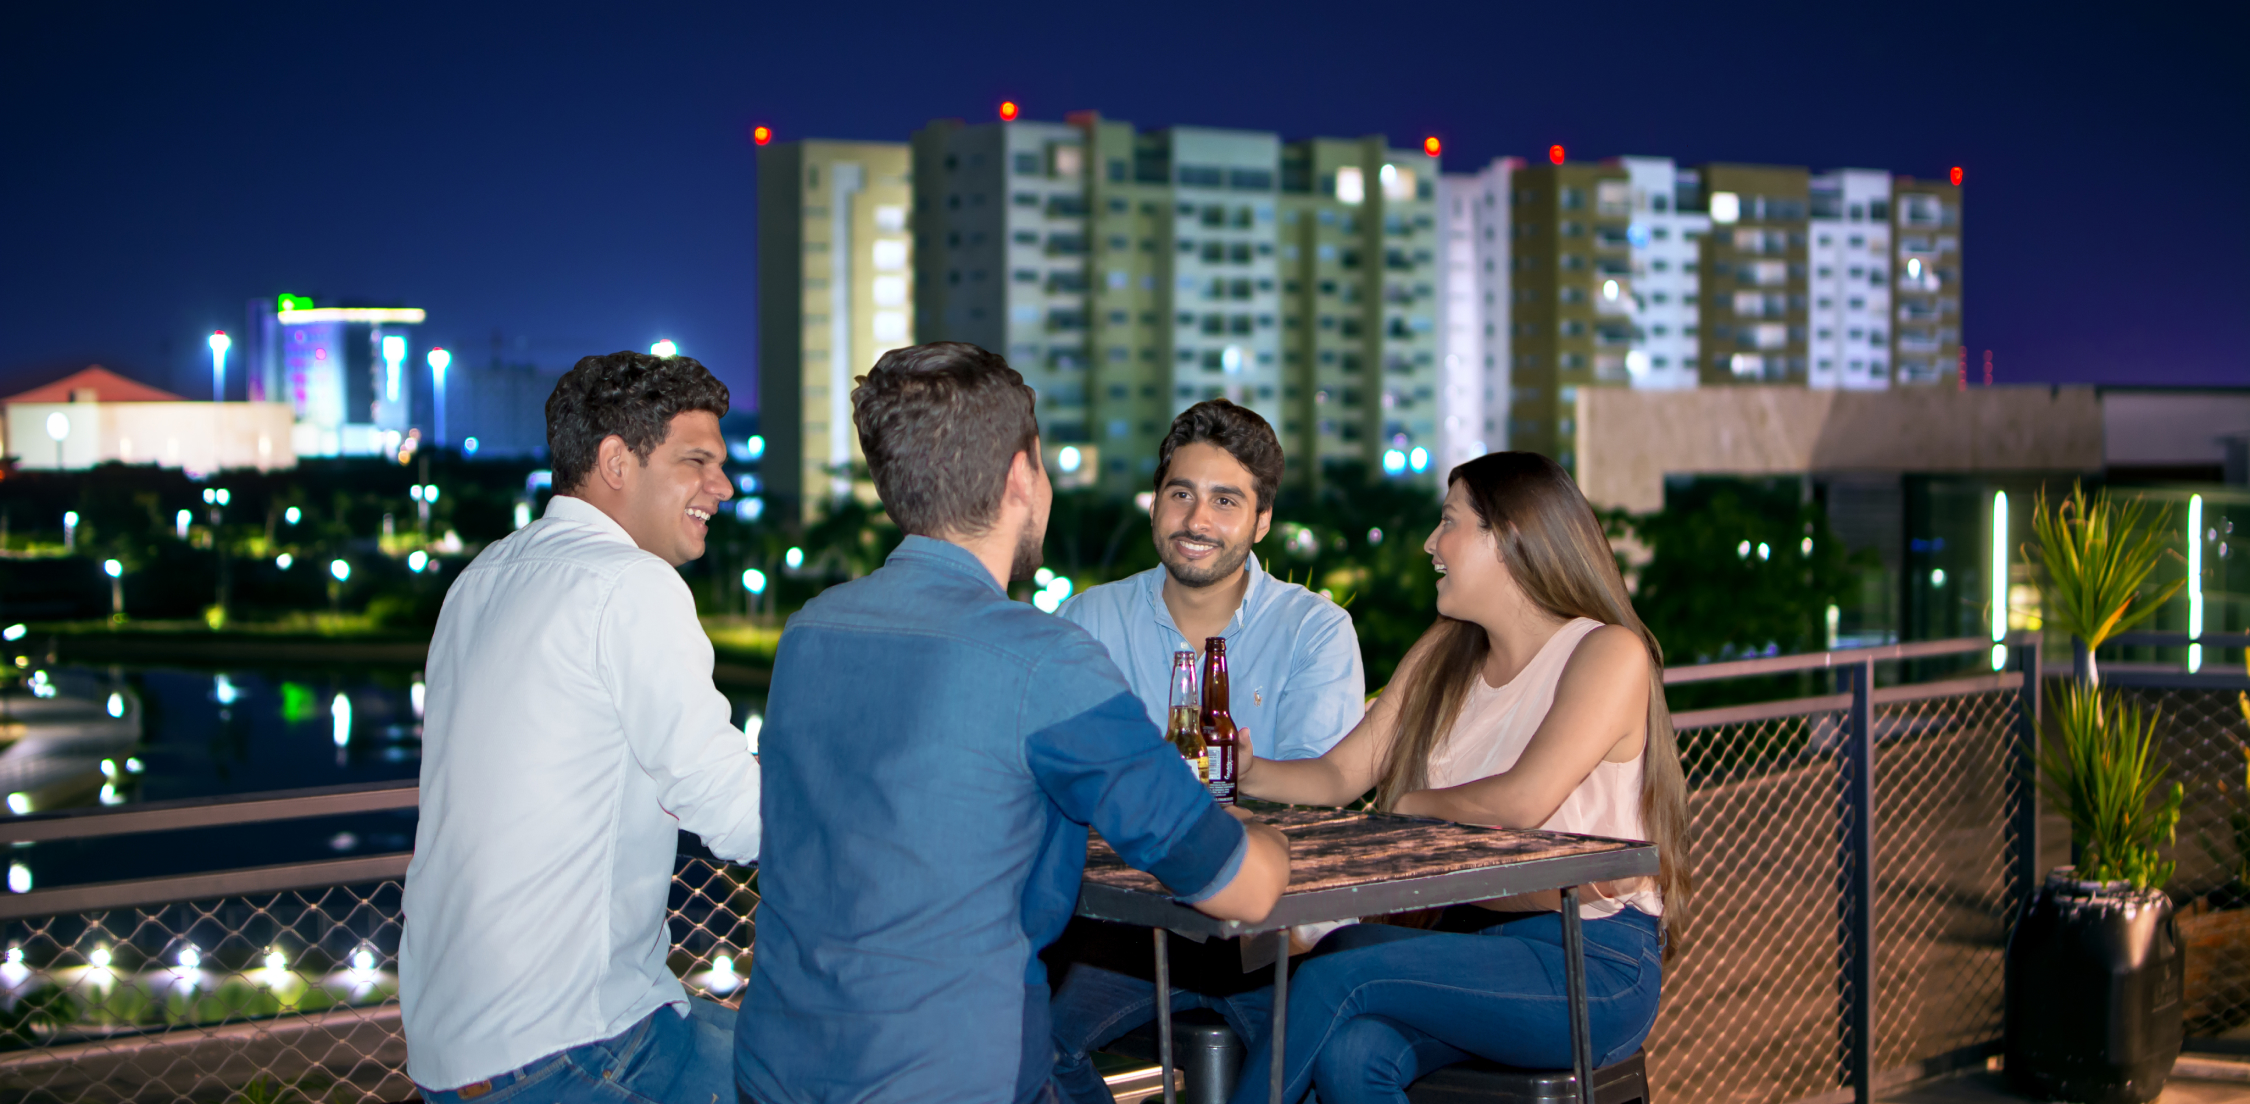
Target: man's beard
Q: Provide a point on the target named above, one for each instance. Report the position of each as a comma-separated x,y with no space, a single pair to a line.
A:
1229,561
1031,551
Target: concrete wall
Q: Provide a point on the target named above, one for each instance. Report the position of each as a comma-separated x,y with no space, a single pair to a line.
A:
1630,440
2172,428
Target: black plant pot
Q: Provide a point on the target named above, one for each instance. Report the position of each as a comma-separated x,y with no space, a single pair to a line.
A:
2094,975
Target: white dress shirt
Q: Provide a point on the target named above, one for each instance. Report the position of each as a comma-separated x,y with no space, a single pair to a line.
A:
571,730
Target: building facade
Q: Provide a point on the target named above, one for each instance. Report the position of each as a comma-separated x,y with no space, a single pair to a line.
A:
1641,273
348,373
835,292
1129,275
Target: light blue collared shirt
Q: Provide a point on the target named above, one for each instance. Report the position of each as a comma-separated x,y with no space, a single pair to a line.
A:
1292,657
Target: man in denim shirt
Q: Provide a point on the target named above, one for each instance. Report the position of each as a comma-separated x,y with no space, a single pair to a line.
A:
933,756
1298,687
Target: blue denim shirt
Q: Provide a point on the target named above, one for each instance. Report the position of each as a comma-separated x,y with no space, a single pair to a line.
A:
1293,664
933,754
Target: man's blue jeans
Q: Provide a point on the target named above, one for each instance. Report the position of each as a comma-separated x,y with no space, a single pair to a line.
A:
1095,1007
1378,1007
666,1058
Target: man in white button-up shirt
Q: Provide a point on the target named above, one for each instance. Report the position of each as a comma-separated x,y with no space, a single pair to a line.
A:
572,730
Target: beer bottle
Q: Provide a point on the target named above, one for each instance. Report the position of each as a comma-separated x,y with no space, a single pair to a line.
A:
1184,724
1218,722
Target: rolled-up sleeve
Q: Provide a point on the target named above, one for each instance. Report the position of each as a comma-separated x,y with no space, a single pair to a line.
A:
1109,767
1327,688
657,664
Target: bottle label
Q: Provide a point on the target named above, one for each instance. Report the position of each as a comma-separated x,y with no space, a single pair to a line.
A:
1222,790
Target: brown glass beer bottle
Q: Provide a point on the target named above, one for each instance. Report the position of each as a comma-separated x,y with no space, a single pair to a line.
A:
1218,723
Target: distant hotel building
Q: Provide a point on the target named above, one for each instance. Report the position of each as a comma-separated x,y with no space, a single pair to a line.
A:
1128,275
1641,273
835,292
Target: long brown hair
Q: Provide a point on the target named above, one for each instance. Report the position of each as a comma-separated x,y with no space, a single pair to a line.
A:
1554,549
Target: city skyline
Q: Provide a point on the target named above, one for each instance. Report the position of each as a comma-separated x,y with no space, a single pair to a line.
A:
511,193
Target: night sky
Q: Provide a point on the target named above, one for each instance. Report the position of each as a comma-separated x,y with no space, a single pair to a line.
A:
568,180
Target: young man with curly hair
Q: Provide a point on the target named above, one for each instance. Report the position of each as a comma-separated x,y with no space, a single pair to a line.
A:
571,731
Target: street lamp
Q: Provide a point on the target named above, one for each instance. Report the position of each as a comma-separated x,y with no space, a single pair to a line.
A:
116,573
394,352
70,530
440,360
58,427
219,344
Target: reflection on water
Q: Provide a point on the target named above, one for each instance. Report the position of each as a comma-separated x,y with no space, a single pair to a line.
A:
84,737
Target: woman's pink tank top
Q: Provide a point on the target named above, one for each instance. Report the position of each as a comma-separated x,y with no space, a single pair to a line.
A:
1495,725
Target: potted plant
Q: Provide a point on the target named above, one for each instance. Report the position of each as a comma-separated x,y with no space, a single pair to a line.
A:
2095,970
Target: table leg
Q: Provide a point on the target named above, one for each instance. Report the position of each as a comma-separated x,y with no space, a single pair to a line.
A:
1574,974
1280,1014
1164,1011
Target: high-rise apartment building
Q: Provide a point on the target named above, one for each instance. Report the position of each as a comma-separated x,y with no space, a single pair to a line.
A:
1129,275
1642,273
835,291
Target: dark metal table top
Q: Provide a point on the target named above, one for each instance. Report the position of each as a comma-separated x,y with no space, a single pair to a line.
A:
1345,864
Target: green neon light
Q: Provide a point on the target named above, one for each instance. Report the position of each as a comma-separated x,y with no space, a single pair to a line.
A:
288,302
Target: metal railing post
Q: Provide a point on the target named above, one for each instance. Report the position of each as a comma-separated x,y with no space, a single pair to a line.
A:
2023,799
1856,888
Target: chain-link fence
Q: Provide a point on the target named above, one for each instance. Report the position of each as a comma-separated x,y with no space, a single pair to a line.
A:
290,995
2205,744
1857,856
1854,857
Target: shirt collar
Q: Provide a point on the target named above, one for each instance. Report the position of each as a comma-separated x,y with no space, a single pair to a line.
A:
571,508
1153,587
946,554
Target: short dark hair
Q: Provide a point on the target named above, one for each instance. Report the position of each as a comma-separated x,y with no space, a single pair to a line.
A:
940,423
1239,430
630,395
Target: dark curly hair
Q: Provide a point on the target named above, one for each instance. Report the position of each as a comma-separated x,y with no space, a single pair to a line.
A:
940,423
1239,430
629,395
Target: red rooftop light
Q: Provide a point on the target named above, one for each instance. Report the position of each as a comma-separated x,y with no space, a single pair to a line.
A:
1008,110
1554,154
1956,176
1430,145
761,135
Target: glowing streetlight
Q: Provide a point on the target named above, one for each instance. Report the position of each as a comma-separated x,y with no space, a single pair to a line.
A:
664,348
339,568
440,360
394,354
219,344
70,530
58,427
754,581
116,573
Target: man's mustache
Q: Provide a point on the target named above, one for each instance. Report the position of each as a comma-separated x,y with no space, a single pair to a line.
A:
1205,538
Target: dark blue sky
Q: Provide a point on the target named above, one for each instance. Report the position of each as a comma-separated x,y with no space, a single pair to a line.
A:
579,179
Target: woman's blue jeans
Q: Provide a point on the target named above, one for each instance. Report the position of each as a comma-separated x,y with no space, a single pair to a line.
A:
1378,1007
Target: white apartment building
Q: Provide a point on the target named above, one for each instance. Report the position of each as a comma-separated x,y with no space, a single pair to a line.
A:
1851,297
1666,241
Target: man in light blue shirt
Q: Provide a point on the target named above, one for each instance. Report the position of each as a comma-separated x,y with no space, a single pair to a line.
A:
1292,657
1297,687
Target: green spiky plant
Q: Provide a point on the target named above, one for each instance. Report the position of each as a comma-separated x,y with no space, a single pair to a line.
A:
2101,774
2095,555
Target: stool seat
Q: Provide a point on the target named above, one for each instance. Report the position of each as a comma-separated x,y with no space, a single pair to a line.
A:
1482,1082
